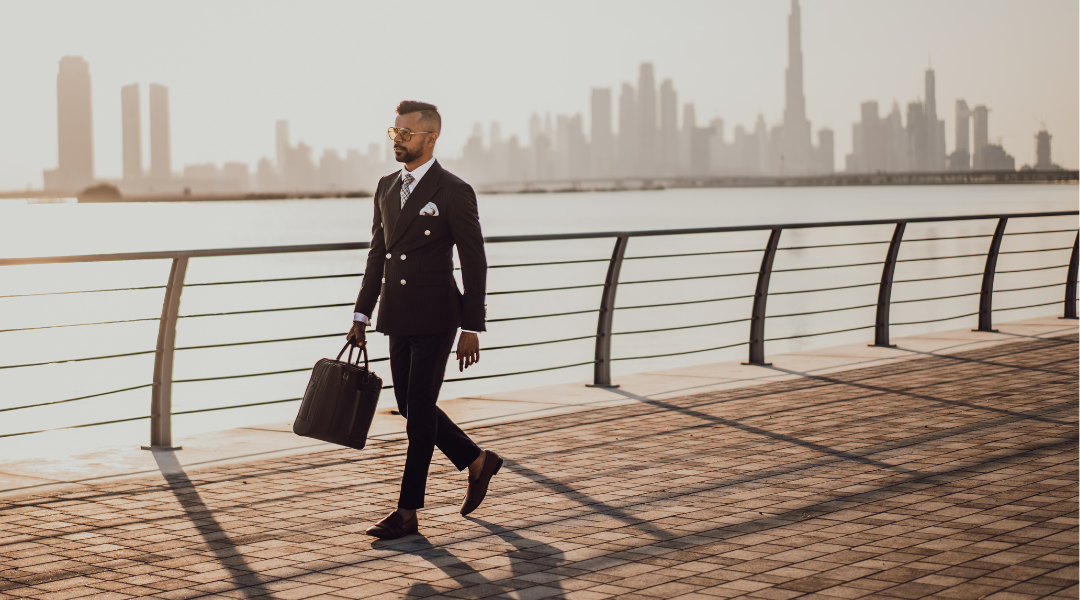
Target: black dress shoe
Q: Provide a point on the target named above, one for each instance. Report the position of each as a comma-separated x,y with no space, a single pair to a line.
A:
478,488
393,527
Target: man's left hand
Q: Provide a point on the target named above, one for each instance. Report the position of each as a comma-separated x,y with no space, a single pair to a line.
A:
468,350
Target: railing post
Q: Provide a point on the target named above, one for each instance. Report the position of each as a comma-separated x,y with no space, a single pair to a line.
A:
986,297
761,294
884,298
161,400
602,366
1070,284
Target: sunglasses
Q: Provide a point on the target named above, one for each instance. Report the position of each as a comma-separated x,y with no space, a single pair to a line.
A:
404,133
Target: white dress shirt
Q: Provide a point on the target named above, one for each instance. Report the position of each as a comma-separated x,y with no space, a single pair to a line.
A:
417,174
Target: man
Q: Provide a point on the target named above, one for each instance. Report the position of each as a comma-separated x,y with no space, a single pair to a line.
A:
421,212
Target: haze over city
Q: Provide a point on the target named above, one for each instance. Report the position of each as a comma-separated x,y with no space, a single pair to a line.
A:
334,72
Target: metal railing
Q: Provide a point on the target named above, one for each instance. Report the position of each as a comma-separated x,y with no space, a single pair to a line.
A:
161,412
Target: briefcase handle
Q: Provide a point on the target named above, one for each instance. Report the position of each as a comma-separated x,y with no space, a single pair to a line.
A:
363,351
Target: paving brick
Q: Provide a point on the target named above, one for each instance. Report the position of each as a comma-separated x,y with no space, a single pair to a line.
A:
953,476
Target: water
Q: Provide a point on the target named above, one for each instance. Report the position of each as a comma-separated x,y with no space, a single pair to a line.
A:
61,229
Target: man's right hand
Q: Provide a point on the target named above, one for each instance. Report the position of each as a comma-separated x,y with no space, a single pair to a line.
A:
357,333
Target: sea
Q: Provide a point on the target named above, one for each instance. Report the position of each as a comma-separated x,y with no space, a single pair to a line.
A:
47,311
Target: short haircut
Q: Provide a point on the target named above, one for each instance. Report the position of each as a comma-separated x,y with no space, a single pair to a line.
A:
429,113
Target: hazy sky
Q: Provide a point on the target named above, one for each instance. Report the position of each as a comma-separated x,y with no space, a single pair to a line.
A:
336,70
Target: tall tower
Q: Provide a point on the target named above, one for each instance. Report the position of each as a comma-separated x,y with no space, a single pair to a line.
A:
960,159
980,116
160,144
669,128
601,134
131,128
628,130
916,137
686,141
825,152
1042,150
934,150
796,133
646,106
74,125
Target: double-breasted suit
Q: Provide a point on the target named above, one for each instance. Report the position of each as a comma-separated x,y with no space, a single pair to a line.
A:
410,264
410,267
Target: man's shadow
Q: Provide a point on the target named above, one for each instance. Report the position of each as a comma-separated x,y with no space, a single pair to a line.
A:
526,557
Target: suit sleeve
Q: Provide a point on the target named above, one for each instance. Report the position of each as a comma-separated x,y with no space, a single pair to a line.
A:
465,227
373,272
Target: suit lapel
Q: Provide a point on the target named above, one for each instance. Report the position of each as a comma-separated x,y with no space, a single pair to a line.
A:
427,187
390,203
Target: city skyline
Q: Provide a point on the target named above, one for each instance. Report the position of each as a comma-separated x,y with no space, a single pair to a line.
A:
776,108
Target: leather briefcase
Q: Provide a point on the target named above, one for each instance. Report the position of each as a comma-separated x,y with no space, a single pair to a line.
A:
340,401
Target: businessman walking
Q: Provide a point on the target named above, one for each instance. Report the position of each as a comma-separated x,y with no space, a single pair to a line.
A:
421,212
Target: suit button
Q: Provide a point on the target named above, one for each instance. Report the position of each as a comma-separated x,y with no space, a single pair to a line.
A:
387,255
384,280
402,282
402,257
427,232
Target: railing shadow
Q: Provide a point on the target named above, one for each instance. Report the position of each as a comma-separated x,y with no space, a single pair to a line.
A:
187,496
1057,340
759,431
933,399
901,476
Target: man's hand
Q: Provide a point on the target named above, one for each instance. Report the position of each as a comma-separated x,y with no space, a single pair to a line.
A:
357,332
468,350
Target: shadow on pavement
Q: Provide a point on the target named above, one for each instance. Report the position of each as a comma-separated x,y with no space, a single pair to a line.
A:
181,486
759,431
526,557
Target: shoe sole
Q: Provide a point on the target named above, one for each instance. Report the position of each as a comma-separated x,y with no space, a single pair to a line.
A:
392,537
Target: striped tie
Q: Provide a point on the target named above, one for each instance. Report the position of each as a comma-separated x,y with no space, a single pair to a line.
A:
405,183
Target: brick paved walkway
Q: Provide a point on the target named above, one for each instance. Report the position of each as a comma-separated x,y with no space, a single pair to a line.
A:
950,476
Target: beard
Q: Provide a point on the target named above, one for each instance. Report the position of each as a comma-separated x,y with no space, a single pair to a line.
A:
405,156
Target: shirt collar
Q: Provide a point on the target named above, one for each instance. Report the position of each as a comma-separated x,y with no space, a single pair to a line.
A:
418,173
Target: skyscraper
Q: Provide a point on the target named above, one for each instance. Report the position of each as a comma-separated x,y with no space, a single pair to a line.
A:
669,129
981,138
960,159
562,147
796,133
646,133
601,134
875,143
916,137
628,126
898,153
160,145
934,143
131,127
686,135
760,161
1043,161
75,168
825,150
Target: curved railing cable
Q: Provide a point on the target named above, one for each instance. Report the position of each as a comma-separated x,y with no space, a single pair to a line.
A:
161,411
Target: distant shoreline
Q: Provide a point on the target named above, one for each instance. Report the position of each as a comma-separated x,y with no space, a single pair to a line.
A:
616,185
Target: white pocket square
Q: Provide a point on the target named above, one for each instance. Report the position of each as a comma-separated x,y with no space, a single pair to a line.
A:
429,210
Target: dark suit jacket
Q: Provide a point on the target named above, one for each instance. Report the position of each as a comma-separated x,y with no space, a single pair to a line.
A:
410,264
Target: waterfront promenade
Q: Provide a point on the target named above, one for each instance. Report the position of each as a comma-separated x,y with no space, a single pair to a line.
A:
945,467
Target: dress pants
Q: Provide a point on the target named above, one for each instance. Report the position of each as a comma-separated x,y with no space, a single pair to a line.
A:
417,366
